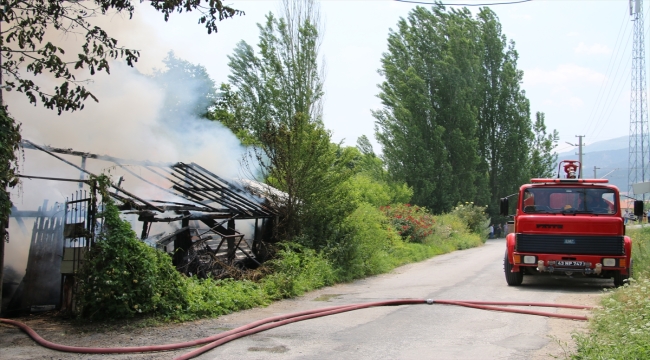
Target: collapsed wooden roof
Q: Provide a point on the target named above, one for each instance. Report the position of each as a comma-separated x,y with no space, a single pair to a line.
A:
196,188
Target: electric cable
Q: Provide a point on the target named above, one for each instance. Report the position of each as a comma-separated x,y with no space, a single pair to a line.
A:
276,321
608,98
617,48
452,4
600,123
613,107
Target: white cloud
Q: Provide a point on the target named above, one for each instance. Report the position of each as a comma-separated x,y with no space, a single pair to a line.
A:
595,49
563,74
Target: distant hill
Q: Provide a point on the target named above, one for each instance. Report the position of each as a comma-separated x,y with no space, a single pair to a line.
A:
610,156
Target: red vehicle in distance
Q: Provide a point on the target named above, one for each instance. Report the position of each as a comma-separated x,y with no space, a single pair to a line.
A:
568,226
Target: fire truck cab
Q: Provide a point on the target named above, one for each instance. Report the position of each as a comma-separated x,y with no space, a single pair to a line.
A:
568,226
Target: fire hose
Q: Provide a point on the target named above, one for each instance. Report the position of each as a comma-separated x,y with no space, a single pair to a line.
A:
276,321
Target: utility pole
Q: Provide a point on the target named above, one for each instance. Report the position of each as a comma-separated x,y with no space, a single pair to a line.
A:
595,168
580,153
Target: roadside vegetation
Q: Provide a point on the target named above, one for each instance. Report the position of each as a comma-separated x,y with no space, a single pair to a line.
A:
124,278
621,328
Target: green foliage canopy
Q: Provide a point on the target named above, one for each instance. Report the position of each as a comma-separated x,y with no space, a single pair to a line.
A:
9,144
455,124
30,27
543,159
278,102
427,126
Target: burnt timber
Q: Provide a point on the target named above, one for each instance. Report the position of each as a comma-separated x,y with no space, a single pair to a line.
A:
205,206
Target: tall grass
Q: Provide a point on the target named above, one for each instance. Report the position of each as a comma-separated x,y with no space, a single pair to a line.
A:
621,328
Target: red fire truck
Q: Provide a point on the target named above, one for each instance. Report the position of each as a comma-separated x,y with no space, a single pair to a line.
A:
568,226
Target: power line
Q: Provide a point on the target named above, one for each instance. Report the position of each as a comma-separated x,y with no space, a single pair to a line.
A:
611,62
608,100
452,4
606,103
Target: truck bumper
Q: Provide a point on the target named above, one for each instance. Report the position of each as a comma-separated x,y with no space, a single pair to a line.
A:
570,264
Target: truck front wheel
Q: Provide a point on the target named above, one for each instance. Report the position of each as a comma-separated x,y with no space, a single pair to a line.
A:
512,278
620,279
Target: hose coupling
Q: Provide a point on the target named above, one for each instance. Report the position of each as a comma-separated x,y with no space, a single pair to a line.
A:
430,301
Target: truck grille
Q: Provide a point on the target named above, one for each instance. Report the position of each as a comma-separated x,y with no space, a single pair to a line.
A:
568,244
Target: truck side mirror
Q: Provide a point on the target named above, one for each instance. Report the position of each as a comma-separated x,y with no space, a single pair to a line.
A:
638,208
503,207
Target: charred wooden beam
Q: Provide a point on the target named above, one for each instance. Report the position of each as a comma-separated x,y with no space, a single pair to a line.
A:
192,189
167,239
51,178
89,173
29,145
225,194
236,192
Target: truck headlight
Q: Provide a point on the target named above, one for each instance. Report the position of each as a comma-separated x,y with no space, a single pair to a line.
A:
609,262
529,259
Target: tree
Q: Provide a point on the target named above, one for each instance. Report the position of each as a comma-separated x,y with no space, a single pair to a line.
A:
28,24
279,94
504,126
189,90
427,126
26,52
231,111
543,158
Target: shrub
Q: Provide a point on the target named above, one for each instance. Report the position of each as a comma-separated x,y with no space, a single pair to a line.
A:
296,270
366,248
474,216
413,223
121,276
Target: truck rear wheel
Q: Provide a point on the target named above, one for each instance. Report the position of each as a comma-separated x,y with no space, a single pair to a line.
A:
512,278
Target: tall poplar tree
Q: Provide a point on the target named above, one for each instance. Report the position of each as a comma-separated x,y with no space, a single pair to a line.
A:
504,126
542,157
427,125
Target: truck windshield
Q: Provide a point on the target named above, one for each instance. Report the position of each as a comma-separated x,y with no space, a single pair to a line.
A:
569,200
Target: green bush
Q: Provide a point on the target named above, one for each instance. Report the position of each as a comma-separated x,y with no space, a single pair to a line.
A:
296,271
370,239
640,250
122,276
474,216
209,298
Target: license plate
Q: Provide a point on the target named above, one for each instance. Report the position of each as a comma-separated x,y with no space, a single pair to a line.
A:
570,263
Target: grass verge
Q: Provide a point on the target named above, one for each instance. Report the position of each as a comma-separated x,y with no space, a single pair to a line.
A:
621,328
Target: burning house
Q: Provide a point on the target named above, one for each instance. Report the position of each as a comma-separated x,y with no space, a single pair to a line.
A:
207,224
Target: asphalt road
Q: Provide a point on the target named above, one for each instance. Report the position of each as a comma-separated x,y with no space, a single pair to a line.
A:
417,331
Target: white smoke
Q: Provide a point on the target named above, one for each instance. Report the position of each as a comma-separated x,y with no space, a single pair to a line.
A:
126,123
